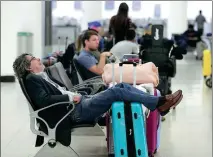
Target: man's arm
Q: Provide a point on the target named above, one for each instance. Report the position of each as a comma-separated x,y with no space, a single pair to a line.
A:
38,94
88,63
98,69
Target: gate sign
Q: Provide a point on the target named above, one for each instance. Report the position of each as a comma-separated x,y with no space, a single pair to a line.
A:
157,11
109,4
157,35
78,5
136,5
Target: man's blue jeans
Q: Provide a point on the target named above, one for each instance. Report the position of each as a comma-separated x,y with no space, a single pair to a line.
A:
92,107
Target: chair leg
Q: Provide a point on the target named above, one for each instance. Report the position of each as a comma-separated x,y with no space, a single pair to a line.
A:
57,150
75,152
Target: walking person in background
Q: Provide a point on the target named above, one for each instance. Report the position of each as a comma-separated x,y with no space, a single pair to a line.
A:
200,20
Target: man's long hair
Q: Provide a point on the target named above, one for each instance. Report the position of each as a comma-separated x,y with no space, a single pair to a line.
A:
121,16
20,66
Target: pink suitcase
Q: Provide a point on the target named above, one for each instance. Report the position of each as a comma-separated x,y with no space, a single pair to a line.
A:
152,124
109,138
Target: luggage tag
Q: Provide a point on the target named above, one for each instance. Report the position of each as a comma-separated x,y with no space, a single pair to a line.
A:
157,38
157,35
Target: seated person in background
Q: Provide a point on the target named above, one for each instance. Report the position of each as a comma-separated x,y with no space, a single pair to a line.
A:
96,53
128,46
90,43
44,91
191,36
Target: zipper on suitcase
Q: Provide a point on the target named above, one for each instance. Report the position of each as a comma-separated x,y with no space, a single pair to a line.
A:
131,149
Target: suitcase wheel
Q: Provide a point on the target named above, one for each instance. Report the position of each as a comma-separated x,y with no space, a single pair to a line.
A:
209,82
111,155
155,151
151,155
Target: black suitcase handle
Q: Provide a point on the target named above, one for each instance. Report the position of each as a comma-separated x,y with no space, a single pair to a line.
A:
134,64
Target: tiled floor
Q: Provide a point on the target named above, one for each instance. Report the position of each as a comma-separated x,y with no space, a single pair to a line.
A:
187,131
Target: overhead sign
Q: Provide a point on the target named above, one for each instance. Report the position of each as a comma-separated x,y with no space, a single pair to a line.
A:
78,5
136,5
157,11
109,4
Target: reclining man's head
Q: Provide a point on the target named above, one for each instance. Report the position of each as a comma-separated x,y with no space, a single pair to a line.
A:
25,64
90,40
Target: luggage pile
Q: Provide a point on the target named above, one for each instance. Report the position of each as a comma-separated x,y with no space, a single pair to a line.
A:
132,131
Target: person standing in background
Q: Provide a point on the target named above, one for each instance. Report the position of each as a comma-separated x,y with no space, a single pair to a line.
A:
120,23
200,20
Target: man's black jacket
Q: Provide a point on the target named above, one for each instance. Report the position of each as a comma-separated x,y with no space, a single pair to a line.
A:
43,94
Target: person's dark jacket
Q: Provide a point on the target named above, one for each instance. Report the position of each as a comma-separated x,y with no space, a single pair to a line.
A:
119,32
146,42
43,94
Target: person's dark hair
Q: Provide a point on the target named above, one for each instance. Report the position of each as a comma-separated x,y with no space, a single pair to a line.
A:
200,11
78,43
120,19
134,26
123,10
190,26
87,35
130,34
20,66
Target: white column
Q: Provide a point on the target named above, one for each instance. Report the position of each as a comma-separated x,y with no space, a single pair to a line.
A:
177,18
92,11
19,16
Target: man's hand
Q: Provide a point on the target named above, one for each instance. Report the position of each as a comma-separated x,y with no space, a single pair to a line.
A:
76,99
106,54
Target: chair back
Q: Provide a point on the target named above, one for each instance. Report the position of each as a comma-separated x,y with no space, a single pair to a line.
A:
63,75
58,72
63,132
31,106
83,72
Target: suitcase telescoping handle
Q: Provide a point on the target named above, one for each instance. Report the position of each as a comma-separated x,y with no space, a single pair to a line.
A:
121,71
134,71
113,72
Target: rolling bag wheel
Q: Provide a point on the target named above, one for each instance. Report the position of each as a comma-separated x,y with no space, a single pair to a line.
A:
111,155
209,82
155,151
151,155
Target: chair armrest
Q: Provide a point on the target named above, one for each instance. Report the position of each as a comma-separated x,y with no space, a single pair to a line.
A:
86,84
51,131
83,93
88,90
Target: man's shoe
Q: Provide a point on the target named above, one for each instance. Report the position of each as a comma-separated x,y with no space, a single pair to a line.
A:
171,100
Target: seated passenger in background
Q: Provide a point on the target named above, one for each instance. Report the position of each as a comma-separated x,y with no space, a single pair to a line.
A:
191,36
128,46
79,47
90,43
44,91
